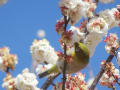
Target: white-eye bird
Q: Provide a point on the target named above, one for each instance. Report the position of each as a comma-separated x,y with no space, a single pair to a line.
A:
80,59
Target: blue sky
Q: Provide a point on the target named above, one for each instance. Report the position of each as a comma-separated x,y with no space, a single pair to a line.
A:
21,19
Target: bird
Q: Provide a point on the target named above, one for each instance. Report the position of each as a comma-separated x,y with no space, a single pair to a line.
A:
80,59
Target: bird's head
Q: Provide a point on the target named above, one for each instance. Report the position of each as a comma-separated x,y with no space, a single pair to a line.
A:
81,48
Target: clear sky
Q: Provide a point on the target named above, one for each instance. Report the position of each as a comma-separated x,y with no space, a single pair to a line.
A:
21,19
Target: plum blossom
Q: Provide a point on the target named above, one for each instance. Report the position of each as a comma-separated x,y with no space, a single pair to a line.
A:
112,17
98,25
74,34
41,33
26,81
42,52
76,82
92,40
7,60
111,42
110,76
117,16
77,34
66,38
60,26
9,82
75,9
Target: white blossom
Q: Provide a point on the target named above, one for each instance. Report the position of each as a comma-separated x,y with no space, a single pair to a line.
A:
87,9
110,16
110,75
43,52
7,60
90,81
92,40
2,67
77,34
9,82
111,42
26,81
70,50
41,33
98,25
75,9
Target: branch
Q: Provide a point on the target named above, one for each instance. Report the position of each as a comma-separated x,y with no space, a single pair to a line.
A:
116,80
96,1
99,75
65,62
49,81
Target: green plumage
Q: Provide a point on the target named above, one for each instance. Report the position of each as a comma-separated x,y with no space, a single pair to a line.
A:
80,59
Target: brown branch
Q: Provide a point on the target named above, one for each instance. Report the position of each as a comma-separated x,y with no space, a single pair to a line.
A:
96,1
116,80
99,75
49,81
65,61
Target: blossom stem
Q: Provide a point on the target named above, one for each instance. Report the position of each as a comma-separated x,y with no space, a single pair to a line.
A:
116,79
49,81
65,62
7,71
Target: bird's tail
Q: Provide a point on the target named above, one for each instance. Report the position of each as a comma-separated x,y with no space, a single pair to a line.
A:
53,69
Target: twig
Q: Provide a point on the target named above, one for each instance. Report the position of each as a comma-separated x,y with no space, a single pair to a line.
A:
113,88
7,70
65,61
115,79
49,81
96,1
99,75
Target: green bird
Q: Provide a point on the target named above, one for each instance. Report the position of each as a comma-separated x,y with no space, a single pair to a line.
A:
80,59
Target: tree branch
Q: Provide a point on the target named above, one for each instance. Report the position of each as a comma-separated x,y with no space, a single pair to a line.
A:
49,81
96,1
65,62
99,75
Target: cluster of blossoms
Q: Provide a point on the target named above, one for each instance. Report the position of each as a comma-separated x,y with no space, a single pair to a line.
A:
111,42
76,82
75,9
110,76
42,52
3,2
96,28
24,81
43,55
112,17
9,82
7,60
60,26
